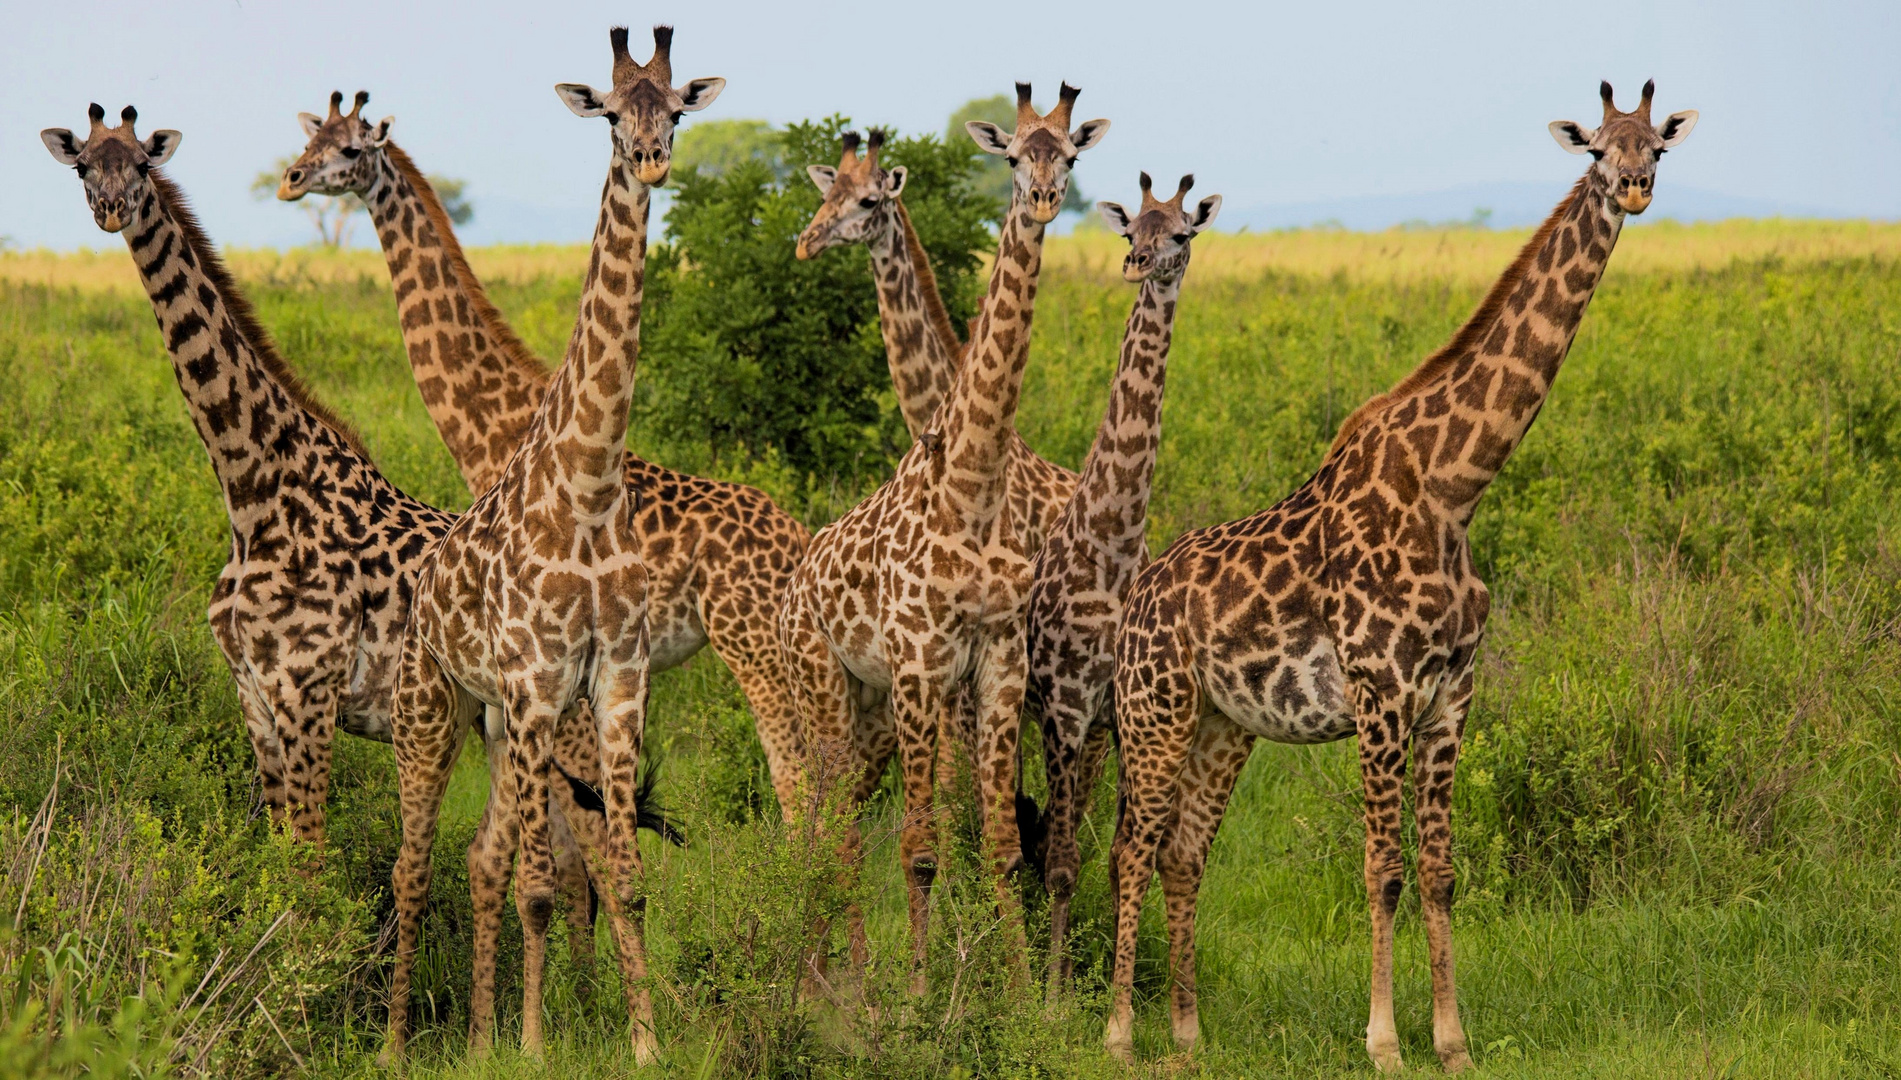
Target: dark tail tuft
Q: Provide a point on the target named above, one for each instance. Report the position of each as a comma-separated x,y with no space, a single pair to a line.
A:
1032,834
652,814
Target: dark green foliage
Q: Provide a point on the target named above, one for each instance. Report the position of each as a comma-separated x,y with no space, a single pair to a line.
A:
749,352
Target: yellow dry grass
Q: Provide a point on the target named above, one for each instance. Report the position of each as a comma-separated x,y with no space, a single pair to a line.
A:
1462,255
1477,256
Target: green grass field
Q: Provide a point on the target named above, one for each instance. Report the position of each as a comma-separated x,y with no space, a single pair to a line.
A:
1675,815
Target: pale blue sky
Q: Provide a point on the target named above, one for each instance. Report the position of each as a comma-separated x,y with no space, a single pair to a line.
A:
1271,105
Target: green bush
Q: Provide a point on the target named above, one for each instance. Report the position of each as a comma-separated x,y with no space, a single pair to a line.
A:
748,352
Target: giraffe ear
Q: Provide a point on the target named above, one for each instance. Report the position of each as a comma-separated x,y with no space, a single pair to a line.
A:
1116,217
700,93
894,181
1676,127
822,177
160,145
580,98
990,138
379,135
1204,215
1089,134
311,123
1573,138
64,145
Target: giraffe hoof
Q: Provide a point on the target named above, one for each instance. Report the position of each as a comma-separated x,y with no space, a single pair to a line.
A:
1455,1059
1119,1041
645,1052
1385,1053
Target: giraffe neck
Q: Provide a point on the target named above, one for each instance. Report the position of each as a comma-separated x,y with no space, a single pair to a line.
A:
1467,407
1111,504
480,384
257,420
582,424
920,344
977,422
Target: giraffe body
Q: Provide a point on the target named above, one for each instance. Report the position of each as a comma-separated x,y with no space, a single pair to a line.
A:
1100,542
536,600
1351,608
916,595
719,555
308,611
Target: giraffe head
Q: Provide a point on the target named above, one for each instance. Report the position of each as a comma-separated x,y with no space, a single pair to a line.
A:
341,155
1627,146
1160,232
853,192
643,106
112,162
1042,150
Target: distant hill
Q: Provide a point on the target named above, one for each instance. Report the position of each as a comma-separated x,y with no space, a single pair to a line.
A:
1511,206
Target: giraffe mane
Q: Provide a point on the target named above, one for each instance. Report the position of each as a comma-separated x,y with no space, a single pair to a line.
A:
493,322
1469,336
255,336
927,283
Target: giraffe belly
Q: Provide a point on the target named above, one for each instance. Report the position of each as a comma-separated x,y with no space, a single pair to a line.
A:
1283,699
674,635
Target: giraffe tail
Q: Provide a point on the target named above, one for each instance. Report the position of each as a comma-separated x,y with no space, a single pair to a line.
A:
651,813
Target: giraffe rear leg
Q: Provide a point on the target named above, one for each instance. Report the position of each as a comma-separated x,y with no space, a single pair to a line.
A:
491,857
1382,738
1207,780
1435,758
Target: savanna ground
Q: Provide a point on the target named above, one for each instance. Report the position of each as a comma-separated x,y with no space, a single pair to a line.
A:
1675,815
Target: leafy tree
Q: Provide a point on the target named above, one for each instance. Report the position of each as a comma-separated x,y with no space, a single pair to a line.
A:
748,351
993,175
334,216
712,147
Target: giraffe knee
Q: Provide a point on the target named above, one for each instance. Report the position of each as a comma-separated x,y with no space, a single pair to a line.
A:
923,869
1436,887
536,909
1389,893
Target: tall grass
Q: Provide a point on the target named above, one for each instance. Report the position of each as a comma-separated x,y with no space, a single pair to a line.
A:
1673,821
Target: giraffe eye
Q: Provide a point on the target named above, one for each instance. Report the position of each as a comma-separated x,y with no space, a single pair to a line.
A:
868,202
1597,155
1012,161
80,168
1180,238
675,119
352,153
612,117
144,167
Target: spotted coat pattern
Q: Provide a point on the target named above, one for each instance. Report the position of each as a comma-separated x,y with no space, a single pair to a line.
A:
535,601
919,590
1099,544
1350,609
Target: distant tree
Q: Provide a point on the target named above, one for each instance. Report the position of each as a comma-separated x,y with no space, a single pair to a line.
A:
747,350
993,176
334,216
712,147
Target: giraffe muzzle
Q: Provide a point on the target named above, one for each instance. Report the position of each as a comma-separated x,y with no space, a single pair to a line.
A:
1633,193
1136,268
1045,204
111,214
650,166
291,187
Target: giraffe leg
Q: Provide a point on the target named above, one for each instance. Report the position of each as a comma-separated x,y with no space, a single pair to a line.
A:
1435,757
1068,739
822,695
534,713
917,705
306,727
575,817
1207,780
261,727
620,716
491,857
1382,736
1003,667
427,727
752,654
1158,716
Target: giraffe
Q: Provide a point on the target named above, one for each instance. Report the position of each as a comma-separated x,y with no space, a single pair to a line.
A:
919,590
535,600
309,610
1350,608
719,555
861,205
1101,541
